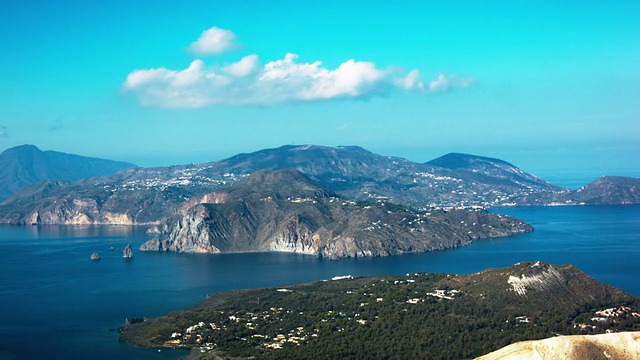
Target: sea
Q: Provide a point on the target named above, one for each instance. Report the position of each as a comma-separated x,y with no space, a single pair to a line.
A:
56,303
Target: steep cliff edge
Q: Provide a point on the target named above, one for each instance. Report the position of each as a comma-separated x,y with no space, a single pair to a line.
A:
285,211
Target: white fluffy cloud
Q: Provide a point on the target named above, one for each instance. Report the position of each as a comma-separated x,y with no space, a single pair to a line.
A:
214,41
247,82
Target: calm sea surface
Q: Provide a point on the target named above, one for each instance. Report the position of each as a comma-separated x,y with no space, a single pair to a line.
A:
56,303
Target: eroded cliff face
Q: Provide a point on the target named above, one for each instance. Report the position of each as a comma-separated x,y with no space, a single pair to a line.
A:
83,211
617,346
331,228
296,239
191,234
76,212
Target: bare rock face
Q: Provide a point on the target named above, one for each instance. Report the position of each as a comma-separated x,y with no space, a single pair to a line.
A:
95,257
617,346
159,229
191,234
152,245
127,252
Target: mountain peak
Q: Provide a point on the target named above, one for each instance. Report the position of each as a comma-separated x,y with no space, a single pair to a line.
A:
607,190
464,161
538,283
278,184
22,149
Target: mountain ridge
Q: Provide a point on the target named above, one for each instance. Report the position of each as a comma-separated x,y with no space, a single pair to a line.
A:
149,195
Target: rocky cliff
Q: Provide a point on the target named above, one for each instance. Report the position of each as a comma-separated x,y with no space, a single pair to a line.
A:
285,211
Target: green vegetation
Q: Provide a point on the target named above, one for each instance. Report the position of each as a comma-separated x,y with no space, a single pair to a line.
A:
431,316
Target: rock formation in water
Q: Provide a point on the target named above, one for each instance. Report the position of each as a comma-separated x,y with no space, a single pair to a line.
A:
152,245
127,252
287,212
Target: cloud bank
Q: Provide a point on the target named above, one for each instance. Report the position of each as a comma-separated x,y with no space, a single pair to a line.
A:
3,132
248,82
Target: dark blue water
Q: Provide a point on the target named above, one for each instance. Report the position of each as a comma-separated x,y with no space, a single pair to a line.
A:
56,303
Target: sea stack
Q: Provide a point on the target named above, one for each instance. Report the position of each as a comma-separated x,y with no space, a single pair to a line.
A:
95,257
127,252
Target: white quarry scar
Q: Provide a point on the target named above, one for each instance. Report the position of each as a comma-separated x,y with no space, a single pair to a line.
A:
539,281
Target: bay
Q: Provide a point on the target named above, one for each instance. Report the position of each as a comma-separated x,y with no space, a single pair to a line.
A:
56,303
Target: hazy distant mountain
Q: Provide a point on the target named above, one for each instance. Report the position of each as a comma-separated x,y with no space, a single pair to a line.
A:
285,211
412,316
25,165
607,190
489,170
148,195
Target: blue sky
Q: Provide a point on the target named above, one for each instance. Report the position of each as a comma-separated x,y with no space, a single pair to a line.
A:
549,86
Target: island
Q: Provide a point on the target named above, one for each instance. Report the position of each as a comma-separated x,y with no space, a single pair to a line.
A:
417,315
286,211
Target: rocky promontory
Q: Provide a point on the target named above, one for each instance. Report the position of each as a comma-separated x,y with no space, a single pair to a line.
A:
285,211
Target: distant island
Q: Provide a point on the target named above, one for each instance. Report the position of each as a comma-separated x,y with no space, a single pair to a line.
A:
414,316
148,196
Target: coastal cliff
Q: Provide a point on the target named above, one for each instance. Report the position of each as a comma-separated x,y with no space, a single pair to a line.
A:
285,211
